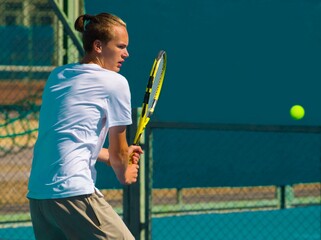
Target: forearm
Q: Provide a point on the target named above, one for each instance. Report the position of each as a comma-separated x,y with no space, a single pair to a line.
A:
118,152
103,156
117,160
119,163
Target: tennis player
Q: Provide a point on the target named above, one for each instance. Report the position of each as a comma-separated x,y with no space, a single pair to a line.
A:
82,104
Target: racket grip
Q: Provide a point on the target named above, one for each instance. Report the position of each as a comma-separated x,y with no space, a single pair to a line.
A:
130,160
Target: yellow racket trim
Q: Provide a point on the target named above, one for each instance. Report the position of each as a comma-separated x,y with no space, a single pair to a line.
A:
146,111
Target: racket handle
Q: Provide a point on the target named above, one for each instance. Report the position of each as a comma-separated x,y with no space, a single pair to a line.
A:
130,161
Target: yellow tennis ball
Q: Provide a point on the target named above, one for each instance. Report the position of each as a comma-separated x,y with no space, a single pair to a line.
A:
297,112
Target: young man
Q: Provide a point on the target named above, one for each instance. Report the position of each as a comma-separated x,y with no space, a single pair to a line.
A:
82,102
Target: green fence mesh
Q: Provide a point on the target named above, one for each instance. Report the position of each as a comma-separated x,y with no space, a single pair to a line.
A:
33,42
235,182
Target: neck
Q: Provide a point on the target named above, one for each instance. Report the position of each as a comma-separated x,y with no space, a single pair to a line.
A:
92,59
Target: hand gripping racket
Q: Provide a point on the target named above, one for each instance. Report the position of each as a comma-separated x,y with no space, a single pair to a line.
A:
153,90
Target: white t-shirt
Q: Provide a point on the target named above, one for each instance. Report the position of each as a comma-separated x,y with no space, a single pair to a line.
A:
80,103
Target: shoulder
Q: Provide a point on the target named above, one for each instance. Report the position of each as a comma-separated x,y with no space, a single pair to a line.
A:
97,71
63,67
113,75
112,79
60,69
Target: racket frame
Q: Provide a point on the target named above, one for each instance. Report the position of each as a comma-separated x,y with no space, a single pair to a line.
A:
148,109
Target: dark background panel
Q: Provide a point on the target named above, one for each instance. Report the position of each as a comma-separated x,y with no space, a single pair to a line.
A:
228,61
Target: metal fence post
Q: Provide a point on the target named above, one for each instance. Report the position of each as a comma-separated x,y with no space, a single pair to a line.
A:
148,182
134,195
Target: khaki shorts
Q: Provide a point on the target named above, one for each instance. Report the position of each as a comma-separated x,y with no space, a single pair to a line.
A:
87,217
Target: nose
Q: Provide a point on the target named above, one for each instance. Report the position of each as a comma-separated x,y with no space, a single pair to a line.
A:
125,54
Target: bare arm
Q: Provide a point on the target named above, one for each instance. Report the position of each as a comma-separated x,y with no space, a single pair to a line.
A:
119,154
135,151
103,156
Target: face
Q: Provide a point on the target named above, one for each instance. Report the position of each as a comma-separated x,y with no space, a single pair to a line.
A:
114,53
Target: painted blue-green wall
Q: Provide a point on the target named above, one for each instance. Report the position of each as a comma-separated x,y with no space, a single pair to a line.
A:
228,61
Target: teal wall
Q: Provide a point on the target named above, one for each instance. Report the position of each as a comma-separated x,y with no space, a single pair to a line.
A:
228,61
20,46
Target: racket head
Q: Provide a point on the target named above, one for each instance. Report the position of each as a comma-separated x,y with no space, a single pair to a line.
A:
153,89
158,74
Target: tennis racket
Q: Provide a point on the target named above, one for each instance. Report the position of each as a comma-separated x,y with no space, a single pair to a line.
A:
153,89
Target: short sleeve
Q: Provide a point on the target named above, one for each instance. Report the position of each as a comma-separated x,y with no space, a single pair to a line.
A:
119,104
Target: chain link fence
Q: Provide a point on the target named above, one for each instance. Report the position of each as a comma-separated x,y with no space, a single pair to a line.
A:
33,42
236,182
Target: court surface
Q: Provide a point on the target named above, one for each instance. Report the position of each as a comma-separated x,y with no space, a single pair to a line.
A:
290,224
286,224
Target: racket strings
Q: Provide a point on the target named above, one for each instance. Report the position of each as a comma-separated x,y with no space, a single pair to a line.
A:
156,85
152,93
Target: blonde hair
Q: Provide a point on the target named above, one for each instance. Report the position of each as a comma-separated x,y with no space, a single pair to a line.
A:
97,27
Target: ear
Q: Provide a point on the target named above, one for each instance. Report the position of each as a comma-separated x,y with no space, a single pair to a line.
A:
97,46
